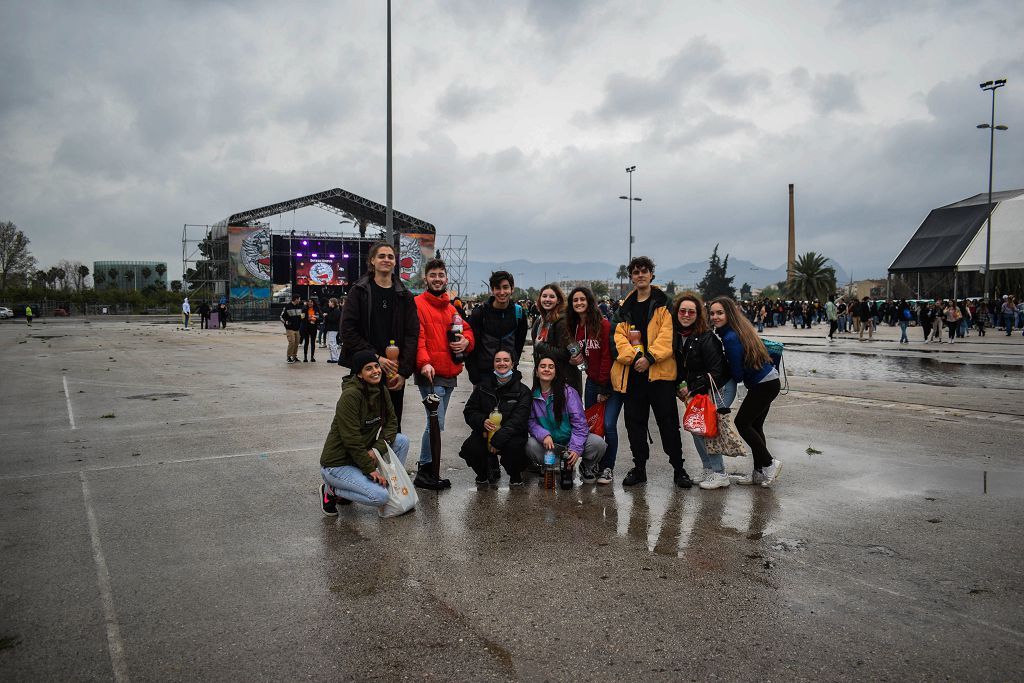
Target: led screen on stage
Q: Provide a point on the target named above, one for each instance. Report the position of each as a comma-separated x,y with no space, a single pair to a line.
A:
320,271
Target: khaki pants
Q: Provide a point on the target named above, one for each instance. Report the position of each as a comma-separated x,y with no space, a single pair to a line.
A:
293,343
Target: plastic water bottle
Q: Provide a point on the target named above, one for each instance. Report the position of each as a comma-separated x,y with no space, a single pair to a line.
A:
454,335
550,469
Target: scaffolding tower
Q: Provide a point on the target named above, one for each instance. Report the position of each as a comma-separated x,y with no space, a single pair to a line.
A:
454,252
204,261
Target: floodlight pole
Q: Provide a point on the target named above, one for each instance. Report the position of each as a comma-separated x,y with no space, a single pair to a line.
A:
389,213
993,86
631,199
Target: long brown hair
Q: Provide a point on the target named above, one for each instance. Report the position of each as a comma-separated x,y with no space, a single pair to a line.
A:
374,248
755,355
700,323
591,318
559,310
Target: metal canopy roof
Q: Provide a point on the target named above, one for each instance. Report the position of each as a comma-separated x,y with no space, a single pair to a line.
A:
338,201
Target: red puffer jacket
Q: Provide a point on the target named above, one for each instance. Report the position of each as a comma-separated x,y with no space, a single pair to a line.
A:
436,314
598,351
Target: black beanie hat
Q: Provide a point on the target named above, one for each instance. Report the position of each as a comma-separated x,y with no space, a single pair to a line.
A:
360,360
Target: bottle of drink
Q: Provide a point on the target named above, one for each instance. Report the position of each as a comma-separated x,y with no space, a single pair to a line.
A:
566,475
635,339
550,469
391,353
495,418
574,350
454,335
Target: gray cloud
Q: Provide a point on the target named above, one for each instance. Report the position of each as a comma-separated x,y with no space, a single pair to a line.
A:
460,101
828,92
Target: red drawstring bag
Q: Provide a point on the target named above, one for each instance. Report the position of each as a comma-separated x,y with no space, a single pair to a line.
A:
595,418
701,416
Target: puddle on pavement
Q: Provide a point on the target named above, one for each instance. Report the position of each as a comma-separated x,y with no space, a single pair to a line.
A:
921,480
154,397
912,370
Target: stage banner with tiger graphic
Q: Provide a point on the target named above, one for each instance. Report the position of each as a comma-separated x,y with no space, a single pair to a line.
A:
249,256
416,250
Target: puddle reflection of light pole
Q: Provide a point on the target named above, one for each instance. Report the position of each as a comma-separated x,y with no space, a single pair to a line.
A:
992,128
630,199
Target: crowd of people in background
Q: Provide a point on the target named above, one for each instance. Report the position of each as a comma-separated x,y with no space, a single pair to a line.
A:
647,354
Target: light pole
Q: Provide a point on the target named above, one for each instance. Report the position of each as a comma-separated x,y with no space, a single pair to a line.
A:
389,210
630,199
992,128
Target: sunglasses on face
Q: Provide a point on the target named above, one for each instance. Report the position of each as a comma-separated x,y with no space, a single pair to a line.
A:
683,311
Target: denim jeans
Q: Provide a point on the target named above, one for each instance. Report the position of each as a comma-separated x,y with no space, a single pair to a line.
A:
446,395
348,481
332,345
713,461
612,408
903,331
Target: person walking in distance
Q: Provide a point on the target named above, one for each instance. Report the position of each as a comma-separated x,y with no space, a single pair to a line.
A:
749,363
204,315
864,313
645,371
380,316
498,323
292,316
186,311
444,340
308,331
833,316
332,322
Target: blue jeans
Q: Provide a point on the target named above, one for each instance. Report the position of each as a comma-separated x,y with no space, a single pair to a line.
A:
903,331
612,408
348,481
713,461
446,395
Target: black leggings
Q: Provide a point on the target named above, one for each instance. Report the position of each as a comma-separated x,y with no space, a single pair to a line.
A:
308,342
474,452
750,418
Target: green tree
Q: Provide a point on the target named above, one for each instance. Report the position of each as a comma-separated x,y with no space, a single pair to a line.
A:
175,285
15,258
745,292
98,278
716,280
146,272
812,278
770,292
83,272
599,288
112,277
129,277
670,287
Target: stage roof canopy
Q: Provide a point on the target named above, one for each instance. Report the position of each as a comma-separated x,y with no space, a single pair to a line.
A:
952,238
339,201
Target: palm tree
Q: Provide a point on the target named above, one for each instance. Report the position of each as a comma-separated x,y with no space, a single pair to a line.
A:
83,272
146,272
622,274
129,277
161,269
98,278
812,278
112,274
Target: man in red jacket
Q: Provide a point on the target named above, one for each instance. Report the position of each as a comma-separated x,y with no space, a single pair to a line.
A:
444,341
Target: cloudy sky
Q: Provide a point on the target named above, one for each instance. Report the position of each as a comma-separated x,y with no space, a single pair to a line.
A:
514,121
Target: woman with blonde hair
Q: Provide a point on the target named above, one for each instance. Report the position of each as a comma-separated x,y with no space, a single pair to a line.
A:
749,363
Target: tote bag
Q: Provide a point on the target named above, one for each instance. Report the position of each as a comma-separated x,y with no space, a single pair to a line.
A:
701,416
401,493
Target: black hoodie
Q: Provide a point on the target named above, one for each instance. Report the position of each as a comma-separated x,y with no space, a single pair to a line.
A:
513,400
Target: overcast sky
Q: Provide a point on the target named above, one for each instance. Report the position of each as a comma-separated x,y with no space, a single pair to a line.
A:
514,121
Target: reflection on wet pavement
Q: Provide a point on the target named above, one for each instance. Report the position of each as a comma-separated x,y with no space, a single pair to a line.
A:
884,368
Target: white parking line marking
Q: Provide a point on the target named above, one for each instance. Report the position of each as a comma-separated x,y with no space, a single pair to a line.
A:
67,397
114,642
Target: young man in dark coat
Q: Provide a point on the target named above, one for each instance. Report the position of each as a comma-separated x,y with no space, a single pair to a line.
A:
500,323
502,390
379,310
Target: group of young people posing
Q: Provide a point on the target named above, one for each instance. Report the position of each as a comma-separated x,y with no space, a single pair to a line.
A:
651,354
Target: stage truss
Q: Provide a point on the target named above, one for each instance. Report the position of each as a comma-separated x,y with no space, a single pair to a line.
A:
204,253
454,250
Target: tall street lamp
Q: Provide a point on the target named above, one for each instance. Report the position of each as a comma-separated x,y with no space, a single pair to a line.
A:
992,128
630,199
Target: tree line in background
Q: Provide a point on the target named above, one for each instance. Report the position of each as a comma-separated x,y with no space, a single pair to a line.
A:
69,281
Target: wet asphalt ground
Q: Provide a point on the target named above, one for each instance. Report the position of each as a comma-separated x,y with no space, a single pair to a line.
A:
160,522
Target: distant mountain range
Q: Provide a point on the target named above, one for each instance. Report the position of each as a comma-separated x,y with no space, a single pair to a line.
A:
530,274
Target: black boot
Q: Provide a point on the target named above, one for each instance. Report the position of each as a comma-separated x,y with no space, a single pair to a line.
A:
682,479
425,478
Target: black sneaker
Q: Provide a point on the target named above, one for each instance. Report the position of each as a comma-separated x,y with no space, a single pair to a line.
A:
312,360
327,502
291,360
304,360
494,476
682,479
482,480
425,478
515,479
637,475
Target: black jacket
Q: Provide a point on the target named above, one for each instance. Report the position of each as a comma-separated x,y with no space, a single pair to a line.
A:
355,325
556,346
292,315
332,316
513,400
495,330
697,357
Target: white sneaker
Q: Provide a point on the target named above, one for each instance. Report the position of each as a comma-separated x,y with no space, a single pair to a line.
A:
703,475
715,480
771,473
606,476
756,478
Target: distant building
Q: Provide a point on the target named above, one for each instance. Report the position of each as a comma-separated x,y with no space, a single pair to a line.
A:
129,275
874,289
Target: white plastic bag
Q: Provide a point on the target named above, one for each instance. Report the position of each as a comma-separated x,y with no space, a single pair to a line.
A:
401,493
